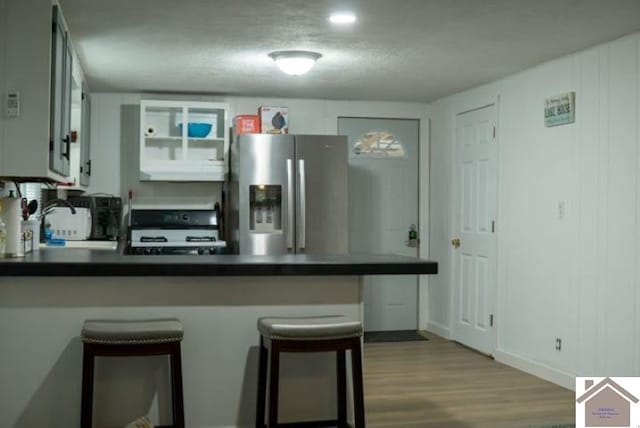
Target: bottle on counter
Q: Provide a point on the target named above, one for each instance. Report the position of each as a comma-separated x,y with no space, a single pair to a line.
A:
3,234
11,215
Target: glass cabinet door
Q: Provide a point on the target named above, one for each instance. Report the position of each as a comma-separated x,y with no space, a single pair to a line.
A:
205,134
60,97
162,135
85,135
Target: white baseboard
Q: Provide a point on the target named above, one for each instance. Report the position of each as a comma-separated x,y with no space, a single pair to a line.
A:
439,329
543,371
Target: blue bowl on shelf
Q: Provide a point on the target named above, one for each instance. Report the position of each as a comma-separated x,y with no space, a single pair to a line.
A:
196,129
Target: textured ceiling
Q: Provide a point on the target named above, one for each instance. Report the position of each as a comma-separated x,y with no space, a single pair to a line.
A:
404,50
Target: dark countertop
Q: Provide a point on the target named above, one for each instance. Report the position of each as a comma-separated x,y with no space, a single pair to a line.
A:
84,262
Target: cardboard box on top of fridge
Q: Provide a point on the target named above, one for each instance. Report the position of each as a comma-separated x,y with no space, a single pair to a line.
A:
274,120
246,124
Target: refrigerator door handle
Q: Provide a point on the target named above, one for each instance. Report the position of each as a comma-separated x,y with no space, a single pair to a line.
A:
302,227
290,198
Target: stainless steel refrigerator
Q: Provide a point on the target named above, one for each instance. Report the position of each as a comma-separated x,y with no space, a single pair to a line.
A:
287,194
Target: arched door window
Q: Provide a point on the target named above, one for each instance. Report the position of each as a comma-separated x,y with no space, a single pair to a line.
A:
378,144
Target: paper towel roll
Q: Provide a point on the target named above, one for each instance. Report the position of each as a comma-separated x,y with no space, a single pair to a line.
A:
11,210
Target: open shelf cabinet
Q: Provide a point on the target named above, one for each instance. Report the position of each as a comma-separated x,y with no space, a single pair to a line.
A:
183,140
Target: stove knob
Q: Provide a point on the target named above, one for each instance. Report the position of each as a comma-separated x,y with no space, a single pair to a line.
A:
148,250
212,250
137,250
200,251
158,250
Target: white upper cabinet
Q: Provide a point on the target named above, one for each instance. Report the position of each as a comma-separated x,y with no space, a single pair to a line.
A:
40,67
183,140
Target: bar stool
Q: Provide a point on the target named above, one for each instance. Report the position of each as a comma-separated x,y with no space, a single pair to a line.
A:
332,333
131,338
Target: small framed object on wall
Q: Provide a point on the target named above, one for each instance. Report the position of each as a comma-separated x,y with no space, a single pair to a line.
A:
560,110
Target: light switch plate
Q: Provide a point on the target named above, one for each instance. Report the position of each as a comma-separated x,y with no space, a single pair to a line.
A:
13,104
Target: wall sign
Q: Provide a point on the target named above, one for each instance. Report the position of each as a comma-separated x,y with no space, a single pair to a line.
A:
560,110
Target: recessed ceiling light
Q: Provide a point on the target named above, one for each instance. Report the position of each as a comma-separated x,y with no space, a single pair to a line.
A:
295,62
342,18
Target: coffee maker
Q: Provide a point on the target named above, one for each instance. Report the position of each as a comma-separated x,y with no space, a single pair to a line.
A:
106,215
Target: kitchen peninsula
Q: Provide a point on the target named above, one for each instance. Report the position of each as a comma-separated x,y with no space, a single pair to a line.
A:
46,296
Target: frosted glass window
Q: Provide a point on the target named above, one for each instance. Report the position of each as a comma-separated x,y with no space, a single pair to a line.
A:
379,144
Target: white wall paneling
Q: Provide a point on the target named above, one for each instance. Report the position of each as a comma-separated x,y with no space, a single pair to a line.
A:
637,264
570,275
588,106
617,341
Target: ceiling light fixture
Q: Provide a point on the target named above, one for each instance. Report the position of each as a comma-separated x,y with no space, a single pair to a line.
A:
342,18
295,63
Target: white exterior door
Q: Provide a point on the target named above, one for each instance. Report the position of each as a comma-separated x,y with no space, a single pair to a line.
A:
474,239
383,204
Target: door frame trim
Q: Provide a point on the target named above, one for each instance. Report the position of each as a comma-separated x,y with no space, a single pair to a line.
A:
476,109
496,291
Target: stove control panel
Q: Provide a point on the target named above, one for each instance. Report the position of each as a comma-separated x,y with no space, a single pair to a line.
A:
174,218
194,251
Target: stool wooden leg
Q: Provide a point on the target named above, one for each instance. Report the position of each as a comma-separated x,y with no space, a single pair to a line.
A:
86,407
274,380
341,365
176,384
358,388
262,385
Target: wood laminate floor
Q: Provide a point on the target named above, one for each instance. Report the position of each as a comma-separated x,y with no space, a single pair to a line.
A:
441,384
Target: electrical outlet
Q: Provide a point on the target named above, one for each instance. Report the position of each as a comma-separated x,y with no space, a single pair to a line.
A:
558,344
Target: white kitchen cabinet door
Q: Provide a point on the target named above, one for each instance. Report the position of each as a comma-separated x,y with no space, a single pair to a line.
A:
85,135
79,174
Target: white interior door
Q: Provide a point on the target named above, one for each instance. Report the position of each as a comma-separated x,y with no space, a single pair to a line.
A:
383,204
474,239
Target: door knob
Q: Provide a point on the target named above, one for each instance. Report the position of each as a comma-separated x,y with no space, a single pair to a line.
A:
456,242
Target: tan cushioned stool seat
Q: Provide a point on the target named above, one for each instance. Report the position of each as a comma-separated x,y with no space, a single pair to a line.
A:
309,328
132,331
